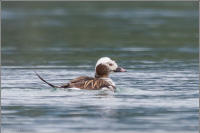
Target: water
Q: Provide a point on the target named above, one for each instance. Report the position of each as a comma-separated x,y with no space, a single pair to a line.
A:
157,42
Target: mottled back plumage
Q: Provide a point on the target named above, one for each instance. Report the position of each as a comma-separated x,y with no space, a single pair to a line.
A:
89,83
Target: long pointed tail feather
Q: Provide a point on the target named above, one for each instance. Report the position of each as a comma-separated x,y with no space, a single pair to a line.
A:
54,86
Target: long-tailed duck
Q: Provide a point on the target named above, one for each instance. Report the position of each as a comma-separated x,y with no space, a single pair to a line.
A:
104,67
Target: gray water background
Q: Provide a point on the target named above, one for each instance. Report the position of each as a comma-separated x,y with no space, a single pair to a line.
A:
157,42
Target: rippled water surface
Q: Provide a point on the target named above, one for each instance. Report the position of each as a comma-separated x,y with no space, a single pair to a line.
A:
157,42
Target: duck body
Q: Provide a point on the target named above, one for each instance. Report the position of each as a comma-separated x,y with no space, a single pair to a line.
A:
90,83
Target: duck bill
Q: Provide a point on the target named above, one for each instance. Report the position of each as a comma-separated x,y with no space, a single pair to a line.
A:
120,69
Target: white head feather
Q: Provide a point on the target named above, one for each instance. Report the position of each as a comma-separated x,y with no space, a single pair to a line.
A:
112,65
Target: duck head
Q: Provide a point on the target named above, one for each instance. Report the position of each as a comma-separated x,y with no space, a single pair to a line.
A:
105,66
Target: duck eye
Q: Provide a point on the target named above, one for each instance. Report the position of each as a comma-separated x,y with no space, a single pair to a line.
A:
110,64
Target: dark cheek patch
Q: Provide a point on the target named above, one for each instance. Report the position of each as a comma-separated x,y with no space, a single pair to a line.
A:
102,69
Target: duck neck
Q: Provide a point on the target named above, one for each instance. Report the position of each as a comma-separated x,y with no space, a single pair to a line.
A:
101,76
